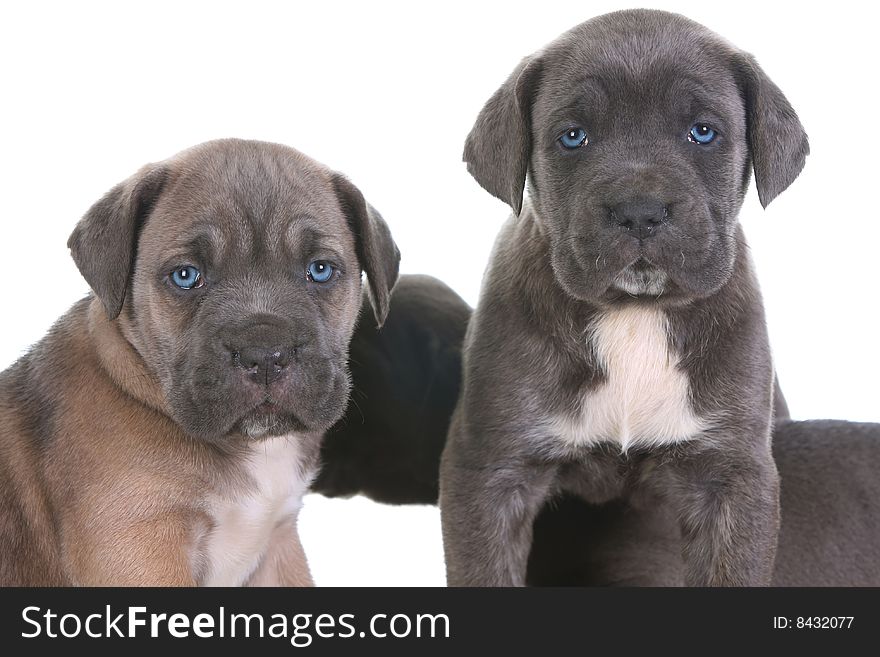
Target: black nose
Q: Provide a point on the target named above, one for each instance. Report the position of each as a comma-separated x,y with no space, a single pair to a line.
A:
263,364
641,215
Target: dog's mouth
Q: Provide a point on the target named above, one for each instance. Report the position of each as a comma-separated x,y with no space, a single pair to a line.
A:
267,407
270,418
213,406
642,278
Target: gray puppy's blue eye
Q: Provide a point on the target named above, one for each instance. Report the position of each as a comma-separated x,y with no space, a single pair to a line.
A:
700,133
187,277
573,138
320,271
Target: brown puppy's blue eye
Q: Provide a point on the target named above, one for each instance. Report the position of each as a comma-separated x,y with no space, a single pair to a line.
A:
320,271
187,277
701,133
573,138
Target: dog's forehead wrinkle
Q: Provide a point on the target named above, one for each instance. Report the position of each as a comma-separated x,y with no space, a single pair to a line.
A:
657,81
314,208
262,180
311,237
281,231
203,244
641,45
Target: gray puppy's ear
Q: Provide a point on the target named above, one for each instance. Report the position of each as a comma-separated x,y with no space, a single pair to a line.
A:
499,146
376,251
777,140
104,242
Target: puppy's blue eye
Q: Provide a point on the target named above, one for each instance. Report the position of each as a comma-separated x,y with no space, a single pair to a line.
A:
573,138
701,134
187,277
320,271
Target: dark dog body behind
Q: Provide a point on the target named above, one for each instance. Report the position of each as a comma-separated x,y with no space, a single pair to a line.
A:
405,382
830,491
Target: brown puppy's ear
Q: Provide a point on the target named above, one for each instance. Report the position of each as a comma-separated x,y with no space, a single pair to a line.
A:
499,146
104,242
376,250
777,140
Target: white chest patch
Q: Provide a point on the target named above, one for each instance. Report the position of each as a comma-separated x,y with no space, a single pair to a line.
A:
244,523
645,399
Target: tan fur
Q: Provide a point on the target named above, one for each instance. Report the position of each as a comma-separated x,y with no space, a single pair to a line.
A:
120,496
142,441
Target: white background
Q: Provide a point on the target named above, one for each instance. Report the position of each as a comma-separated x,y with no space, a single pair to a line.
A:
386,92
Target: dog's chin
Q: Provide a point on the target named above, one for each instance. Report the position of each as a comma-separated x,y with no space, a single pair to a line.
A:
264,422
645,281
268,420
642,279
624,270
219,414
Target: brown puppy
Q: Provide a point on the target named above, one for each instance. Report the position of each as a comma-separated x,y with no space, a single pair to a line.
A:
165,429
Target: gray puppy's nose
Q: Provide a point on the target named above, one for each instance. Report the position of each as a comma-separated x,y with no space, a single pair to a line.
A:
642,215
263,364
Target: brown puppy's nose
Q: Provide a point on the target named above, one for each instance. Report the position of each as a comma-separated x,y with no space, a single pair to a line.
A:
263,364
641,215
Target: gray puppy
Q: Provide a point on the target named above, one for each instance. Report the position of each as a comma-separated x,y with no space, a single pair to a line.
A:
619,348
167,427
405,380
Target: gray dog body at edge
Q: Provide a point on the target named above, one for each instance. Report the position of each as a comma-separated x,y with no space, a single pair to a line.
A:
619,347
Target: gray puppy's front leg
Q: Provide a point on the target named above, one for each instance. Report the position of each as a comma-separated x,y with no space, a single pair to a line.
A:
487,509
728,509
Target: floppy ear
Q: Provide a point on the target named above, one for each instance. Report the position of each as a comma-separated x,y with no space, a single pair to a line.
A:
499,146
376,250
104,242
777,140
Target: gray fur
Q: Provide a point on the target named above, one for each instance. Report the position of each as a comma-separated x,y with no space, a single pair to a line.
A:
406,380
829,534
635,81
